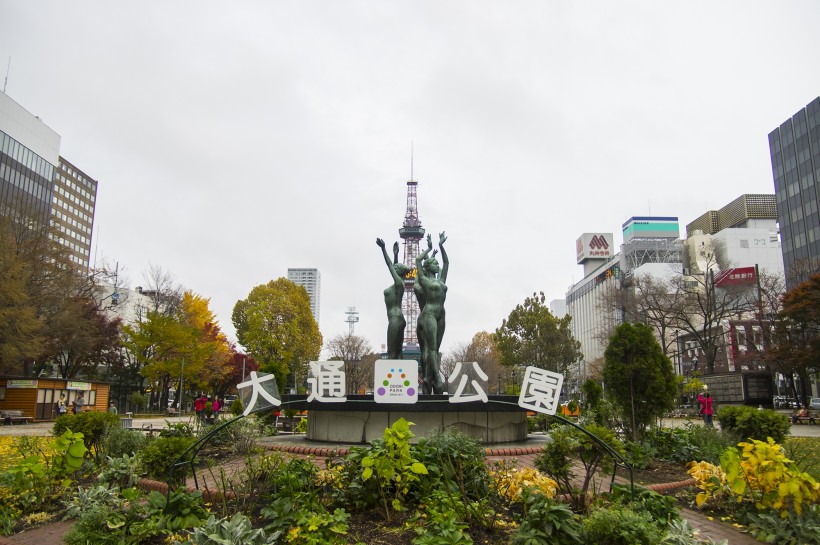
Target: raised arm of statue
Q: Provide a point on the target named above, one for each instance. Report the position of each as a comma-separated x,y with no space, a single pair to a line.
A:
445,263
395,252
396,278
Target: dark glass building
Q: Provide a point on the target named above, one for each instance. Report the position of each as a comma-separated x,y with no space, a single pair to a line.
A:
795,153
25,181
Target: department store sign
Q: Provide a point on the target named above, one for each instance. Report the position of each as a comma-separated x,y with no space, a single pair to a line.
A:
397,381
76,385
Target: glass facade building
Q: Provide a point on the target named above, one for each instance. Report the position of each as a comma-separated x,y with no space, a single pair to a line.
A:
25,181
795,155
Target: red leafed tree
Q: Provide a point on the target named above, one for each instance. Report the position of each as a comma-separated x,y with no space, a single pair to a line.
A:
234,375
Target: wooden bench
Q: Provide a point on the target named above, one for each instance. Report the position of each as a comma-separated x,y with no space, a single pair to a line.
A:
172,411
811,419
148,429
14,416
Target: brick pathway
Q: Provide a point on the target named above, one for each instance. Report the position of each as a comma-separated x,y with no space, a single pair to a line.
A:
52,534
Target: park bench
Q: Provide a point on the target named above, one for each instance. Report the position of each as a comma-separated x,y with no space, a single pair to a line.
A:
172,411
14,416
810,419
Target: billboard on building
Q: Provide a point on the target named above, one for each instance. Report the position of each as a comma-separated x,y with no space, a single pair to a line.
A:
650,227
738,276
594,246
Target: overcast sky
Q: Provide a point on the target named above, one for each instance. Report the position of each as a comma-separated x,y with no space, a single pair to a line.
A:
232,140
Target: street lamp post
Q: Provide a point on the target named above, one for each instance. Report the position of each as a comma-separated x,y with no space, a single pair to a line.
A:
181,396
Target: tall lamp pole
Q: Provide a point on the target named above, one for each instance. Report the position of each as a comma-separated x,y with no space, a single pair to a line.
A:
181,395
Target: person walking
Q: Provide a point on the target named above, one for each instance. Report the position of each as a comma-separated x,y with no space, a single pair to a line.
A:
707,411
216,406
702,403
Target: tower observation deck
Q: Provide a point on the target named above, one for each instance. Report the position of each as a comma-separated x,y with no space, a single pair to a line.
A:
411,233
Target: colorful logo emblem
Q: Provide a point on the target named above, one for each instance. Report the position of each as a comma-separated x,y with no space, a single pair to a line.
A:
396,381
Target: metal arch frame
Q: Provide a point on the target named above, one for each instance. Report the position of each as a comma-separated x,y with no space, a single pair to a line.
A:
194,449
619,461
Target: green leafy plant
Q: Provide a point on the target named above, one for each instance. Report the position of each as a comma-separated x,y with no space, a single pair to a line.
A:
122,471
793,529
91,424
545,521
158,455
570,444
178,510
301,426
805,452
663,509
441,527
749,423
620,525
319,528
109,518
236,407
234,531
118,441
39,479
455,466
389,460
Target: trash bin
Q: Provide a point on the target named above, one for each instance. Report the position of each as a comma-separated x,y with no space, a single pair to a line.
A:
126,423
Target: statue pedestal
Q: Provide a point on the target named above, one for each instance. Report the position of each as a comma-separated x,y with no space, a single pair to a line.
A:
361,420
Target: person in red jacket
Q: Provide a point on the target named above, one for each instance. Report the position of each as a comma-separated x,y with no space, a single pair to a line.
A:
199,406
707,410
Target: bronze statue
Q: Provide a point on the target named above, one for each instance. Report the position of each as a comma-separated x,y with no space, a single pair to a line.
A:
393,295
431,291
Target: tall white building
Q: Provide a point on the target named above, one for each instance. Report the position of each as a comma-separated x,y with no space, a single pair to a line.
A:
311,280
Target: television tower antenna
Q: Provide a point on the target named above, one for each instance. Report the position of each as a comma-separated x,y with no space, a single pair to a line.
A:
411,233
352,318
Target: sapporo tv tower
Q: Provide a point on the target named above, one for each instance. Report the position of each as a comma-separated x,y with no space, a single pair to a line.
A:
411,233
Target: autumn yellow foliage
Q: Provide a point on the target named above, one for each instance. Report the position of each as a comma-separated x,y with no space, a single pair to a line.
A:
512,481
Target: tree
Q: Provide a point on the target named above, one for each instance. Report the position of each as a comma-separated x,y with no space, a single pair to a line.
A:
239,367
638,377
353,350
532,335
482,350
796,342
82,338
707,307
49,314
647,300
275,325
20,328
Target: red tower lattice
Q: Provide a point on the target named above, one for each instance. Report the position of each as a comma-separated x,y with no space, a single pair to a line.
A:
411,233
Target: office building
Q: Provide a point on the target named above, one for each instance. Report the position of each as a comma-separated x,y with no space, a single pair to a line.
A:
311,280
745,233
72,210
36,182
29,153
795,153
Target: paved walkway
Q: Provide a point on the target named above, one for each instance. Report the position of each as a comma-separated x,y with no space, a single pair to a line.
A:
51,534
